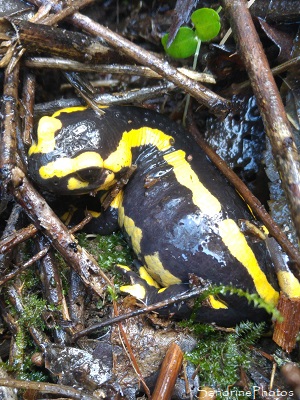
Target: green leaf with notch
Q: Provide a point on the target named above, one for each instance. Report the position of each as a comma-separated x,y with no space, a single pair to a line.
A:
184,45
207,23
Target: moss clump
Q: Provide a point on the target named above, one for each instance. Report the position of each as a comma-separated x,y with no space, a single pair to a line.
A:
220,355
108,250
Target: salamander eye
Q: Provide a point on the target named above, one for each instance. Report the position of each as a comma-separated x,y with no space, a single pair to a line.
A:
88,174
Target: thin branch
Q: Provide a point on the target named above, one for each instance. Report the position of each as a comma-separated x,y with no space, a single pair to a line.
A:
217,104
136,70
42,387
190,294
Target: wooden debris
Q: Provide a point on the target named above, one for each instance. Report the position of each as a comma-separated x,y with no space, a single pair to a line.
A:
168,373
286,331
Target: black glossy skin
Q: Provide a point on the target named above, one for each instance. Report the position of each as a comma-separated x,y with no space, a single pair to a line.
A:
171,224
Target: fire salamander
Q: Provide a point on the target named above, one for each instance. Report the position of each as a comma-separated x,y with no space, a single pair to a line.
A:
177,212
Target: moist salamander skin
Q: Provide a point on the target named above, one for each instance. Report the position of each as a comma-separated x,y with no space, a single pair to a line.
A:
177,212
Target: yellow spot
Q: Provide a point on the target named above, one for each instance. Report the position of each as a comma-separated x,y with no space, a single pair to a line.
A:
133,231
69,110
148,278
122,157
202,197
289,284
216,304
109,181
239,248
161,290
94,214
158,272
65,166
249,208
74,183
45,135
125,267
135,290
65,217
117,201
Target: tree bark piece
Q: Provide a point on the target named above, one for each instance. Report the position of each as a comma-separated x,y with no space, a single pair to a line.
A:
269,102
286,331
8,138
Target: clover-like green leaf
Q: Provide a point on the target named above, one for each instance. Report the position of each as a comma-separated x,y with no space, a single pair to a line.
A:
184,45
207,23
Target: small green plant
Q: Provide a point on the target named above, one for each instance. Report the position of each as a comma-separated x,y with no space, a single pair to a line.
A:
31,317
184,45
207,25
220,355
187,42
108,250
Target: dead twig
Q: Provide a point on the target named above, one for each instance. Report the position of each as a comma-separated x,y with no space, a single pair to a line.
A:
279,69
17,237
133,96
42,387
217,104
59,42
286,331
8,141
58,234
269,102
65,12
136,70
130,353
28,106
214,102
19,269
190,294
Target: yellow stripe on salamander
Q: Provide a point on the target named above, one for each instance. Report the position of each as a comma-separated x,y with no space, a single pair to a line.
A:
289,284
122,156
148,278
185,175
68,110
47,128
136,290
65,166
74,183
46,135
73,109
132,230
239,248
157,270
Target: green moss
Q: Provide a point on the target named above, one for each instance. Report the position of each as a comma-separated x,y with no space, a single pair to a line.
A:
220,355
31,317
32,314
108,250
